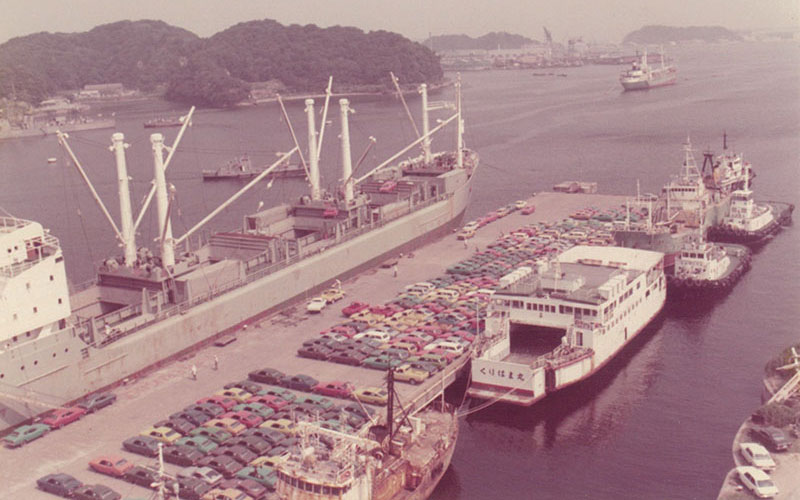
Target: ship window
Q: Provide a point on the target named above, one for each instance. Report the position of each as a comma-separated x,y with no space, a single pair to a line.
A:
35,309
579,338
35,362
22,367
317,488
59,300
54,355
2,375
51,277
66,349
15,316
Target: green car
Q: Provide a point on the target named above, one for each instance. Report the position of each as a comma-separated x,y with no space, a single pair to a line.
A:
274,390
259,409
431,358
213,433
25,434
201,443
264,475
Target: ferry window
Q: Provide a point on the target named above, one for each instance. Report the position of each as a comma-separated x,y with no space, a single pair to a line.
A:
35,309
317,488
51,277
15,316
28,285
647,293
579,338
326,490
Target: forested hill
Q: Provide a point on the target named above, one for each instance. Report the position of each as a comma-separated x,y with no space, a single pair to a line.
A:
666,34
216,71
489,41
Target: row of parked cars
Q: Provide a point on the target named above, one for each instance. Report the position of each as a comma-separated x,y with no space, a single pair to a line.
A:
57,419
468,231
755,476
233,439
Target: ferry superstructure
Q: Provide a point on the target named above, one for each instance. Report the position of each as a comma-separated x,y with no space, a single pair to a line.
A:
577,314
145,308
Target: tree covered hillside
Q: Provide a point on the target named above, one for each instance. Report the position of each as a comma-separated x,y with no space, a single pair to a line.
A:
215,71
489,41
666,34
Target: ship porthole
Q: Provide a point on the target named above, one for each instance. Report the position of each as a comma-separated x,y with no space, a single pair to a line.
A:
35,362
22,367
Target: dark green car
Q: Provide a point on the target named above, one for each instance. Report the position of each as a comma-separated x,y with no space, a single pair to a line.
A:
25,434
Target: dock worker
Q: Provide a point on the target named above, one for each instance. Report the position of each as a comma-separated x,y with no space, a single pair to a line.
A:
216,362
194,372
394,270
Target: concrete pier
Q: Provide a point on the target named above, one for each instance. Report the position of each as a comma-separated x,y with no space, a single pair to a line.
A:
272,342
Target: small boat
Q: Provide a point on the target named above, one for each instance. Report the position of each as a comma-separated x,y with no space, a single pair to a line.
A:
161,122
702,267
242,168
52,159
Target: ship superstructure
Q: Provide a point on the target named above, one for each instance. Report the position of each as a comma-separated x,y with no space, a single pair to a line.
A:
571,317
643,76
147,306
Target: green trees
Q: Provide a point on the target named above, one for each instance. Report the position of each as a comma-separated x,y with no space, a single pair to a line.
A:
215,71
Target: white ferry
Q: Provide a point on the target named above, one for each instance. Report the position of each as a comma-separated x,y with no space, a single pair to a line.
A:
565,320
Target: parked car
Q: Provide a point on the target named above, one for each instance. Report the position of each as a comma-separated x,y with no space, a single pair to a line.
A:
179,425
299,382
315,352
111,465
240,453
195,417
275,402
254,443
406,373
141,476
192,488
63,416
316,305
215,434
95,492
249,419
25,434
143,445
757,456
182,455
223,464
226,494
757,481
372,395
246,385
235,393
223,402
333,294
203,444
94,402
773,438
255,490
209,409
354,307
266,376
163,434
334,389
272,436
58,484
206,474
263,475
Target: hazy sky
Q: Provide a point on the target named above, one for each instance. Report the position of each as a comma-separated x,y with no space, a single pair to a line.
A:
595,20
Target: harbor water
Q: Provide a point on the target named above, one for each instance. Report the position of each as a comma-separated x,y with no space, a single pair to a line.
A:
658,421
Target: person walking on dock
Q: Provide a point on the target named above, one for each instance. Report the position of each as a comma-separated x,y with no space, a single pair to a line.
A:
194,372
216,362
394,270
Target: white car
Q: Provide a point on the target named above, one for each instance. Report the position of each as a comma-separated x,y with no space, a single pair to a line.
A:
520,204
757,481
317,304
757,456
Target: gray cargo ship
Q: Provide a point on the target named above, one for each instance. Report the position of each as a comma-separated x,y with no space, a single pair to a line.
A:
144,309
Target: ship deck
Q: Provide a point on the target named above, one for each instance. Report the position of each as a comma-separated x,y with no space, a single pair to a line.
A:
272,342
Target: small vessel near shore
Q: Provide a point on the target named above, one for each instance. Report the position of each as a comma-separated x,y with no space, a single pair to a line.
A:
567,318
242,168
51,116
750,222
163,122
703,268
643,76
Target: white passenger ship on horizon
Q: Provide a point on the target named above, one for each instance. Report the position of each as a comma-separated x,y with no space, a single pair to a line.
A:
550,327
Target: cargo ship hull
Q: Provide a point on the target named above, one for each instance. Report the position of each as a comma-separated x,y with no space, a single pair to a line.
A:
62,363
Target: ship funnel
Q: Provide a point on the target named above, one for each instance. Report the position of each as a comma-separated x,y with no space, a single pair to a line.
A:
118,146
347,164
313,153
162,202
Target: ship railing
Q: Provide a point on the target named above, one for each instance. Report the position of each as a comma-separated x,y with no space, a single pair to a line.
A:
49,246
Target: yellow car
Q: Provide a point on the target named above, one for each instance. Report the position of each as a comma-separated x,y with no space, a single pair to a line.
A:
282,425
372,395
332,295
406,373
163,434
239,395
270,461
234,427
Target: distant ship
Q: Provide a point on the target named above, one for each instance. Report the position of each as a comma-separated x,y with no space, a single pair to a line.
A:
57,344
568,318
642,76
242,168
50,116
163,122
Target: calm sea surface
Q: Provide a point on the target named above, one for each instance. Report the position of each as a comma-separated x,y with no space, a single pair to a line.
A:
658,421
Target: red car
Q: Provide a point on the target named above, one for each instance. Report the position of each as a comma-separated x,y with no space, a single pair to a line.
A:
448,355
249,419
354,307
275,402
385,310
221,401
111,465
334,389
63,416
528,210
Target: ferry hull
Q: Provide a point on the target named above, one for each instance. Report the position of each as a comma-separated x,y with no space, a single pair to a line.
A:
62,364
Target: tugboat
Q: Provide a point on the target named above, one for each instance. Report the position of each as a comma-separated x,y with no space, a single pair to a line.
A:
386,463
702,267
